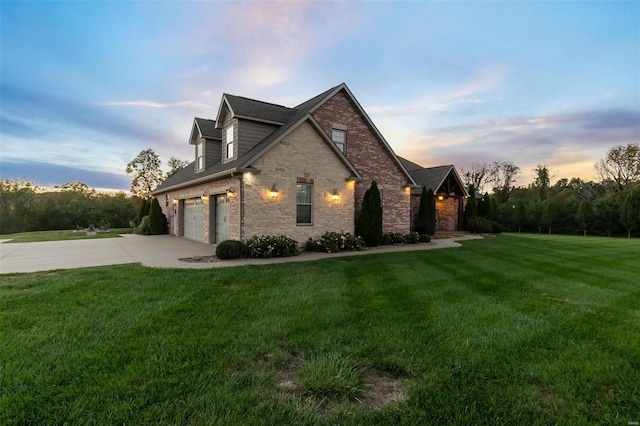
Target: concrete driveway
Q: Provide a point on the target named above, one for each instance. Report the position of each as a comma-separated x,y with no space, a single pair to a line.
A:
44,256
157,251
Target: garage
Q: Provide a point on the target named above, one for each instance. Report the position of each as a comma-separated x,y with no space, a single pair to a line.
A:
193,219
222,218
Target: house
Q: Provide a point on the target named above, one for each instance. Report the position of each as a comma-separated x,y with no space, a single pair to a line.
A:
262,168
449,190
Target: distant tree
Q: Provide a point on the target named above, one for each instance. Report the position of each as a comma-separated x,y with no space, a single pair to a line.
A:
484,207
370,221
520,214
477,176
145,173
621,166
502,176
584,216
542,181
607,214
549,214
175,165
157,219
630,212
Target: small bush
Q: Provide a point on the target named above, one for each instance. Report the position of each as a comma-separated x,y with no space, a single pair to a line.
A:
157,219
266,247
230,249
393,238
144,228
425,238
412,238
334,242
497,228
331,376
480,225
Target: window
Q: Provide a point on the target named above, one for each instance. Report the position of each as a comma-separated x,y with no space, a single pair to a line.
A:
200,156
230,142
339,137
303,203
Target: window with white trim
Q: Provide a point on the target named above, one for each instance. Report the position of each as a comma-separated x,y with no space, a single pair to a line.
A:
339,137
200,156
230,152
304,203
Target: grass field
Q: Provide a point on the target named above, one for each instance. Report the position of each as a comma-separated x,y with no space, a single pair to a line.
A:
518,329
34,236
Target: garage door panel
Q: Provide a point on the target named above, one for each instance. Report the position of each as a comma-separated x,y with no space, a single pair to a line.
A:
193,219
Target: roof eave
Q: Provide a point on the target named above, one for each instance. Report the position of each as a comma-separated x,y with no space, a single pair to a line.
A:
224,173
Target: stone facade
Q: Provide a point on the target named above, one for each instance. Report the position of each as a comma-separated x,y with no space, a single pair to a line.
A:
302,156
448,213
371,159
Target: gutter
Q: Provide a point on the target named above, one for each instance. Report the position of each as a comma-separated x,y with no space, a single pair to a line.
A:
227,173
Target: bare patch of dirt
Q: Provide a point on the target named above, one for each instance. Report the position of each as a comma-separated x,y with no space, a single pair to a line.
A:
199,259
381,391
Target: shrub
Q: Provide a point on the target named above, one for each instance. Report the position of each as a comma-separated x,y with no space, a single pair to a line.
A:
142,212
157,219
144,228
331,376
370,220
269,246
412,238
230,249
425,238
479,225
393,238
333,242
497,228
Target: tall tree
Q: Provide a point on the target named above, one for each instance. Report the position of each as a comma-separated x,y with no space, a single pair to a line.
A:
584,216
175,165
423,213
630,214
477,176
542,181
370,221
502,176
157,219
431,212
621,165
145,173
520,214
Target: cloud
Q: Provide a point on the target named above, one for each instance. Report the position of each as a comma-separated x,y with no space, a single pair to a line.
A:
151,104
485,79
568,143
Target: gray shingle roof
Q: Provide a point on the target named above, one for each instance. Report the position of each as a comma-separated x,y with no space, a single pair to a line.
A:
430,177
208,128
246,107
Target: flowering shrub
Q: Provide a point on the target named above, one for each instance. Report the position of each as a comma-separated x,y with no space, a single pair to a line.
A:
268,246
333,242
392,238
412,238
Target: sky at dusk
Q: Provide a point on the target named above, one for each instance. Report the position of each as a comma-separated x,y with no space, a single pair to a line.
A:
86,86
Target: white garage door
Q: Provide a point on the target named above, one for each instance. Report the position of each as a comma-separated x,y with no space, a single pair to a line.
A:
222,218
194,219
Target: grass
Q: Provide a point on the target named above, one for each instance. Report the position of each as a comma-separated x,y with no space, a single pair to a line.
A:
518,329
35,236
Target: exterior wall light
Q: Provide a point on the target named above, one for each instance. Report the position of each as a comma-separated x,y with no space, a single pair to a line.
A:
273,192
230,193
335,196
205,197
440,197
175,201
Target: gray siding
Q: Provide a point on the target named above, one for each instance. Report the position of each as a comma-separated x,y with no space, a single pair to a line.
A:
223,147
212,152
250,133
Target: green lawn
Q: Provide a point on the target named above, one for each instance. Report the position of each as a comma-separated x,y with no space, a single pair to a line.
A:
518,329
34,236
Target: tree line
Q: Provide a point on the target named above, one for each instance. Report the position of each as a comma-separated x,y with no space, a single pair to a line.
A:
609,206
25,206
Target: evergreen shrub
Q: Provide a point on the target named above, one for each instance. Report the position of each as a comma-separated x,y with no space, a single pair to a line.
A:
157,219
230,249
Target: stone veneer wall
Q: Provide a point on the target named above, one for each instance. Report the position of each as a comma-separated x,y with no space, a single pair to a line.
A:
370,158
447,213
302,154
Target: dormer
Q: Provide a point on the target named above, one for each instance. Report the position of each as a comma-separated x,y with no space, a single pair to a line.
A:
244,122
207,141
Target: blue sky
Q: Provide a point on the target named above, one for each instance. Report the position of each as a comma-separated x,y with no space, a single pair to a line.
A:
85,86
